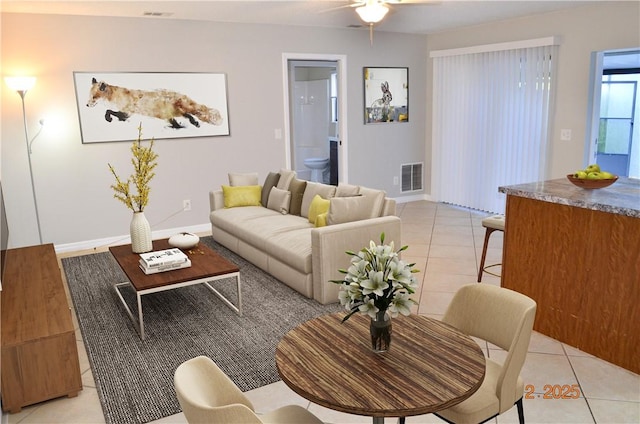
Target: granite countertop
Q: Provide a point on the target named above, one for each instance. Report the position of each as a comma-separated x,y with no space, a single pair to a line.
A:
622,197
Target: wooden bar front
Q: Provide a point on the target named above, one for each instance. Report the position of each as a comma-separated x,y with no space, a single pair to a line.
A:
582,267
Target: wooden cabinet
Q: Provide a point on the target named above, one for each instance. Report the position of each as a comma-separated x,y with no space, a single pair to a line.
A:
39,353
582,267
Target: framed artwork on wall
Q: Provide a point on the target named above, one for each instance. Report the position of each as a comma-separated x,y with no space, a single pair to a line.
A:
386,95
112,105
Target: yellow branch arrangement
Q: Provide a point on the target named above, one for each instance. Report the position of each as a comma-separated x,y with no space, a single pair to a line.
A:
143,161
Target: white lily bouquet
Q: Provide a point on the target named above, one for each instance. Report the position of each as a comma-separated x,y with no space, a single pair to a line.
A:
377,280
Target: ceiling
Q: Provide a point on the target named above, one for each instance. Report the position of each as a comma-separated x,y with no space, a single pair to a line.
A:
413,16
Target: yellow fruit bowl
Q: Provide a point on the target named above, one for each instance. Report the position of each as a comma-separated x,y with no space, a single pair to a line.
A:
591,184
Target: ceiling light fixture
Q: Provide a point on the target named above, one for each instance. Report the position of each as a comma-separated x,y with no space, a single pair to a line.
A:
372,12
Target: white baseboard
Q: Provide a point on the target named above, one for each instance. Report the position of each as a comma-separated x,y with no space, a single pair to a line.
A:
126,239
414,198
159,234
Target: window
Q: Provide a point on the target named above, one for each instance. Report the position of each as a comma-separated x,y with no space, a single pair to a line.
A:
490,120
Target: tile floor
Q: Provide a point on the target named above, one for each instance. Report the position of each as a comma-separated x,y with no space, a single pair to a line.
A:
446,243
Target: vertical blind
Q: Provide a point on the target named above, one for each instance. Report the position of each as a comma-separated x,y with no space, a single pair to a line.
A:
490,122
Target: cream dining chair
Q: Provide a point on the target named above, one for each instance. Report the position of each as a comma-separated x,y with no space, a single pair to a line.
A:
207,395
504,318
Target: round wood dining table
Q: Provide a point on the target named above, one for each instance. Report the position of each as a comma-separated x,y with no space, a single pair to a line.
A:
430,366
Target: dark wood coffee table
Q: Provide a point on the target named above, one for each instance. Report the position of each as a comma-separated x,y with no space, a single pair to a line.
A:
206,266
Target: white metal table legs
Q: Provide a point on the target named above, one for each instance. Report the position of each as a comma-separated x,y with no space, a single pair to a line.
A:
139,322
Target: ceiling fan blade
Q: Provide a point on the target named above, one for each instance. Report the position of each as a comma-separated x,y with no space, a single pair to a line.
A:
350,5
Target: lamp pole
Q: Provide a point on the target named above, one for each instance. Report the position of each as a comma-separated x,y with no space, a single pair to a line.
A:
22,93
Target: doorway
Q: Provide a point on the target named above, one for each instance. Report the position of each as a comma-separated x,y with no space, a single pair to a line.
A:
614,140
315,116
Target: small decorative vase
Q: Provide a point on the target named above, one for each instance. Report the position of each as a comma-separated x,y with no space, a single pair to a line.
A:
380,330
140,233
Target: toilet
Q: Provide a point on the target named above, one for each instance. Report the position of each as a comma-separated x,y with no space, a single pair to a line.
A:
317,166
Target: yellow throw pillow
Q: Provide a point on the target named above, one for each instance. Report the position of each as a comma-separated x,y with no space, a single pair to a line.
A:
317,207
242,196
321,220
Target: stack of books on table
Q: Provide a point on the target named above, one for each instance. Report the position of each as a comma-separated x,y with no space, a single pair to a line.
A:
163,260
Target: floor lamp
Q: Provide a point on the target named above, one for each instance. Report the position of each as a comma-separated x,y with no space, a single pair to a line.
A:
21,85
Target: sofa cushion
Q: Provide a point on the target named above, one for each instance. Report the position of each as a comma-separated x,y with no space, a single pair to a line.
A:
229,217
325,191
256,225
285,179
269,182
349,209
377,200
279,200
241,196
292,247
296,187
318,206
243,179
347,190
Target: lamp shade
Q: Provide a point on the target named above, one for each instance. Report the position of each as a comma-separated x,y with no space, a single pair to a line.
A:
372,13
20,83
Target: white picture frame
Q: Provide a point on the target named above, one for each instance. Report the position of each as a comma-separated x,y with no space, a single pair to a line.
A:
112,105
386,95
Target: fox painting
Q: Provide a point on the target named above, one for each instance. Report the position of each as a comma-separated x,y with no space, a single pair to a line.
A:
162,104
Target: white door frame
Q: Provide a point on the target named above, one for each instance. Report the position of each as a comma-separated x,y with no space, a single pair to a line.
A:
594,96
341,60
593,117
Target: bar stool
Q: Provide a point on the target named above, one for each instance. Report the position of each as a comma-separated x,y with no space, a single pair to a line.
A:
491,223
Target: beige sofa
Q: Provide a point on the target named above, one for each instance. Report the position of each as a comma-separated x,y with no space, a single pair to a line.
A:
290,247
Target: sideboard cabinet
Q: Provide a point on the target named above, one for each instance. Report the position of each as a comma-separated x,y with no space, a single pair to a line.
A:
39,352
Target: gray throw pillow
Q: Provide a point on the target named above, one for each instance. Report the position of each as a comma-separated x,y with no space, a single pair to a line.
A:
286,176
349,209
279,200
269,182
296,187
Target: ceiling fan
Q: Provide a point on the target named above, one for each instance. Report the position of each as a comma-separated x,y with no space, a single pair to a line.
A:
373,11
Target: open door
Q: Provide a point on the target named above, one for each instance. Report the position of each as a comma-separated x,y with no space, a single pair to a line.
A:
617,109
613,141
336,139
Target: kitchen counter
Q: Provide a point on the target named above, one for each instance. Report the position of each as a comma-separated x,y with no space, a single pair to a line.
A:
622,197
576,252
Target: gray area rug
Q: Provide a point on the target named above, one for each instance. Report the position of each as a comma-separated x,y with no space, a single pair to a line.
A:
134,378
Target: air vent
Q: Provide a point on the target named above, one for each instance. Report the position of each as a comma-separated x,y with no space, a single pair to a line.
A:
157,14
411,177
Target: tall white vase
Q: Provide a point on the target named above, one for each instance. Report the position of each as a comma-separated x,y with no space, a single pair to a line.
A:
140,233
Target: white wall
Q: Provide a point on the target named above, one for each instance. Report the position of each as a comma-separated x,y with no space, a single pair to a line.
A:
601,26
72,179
